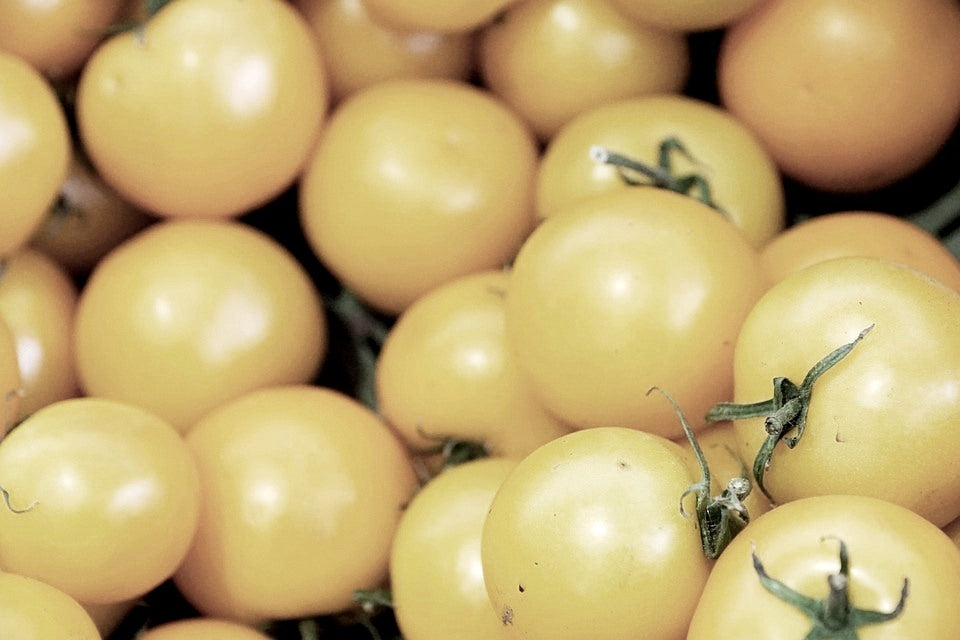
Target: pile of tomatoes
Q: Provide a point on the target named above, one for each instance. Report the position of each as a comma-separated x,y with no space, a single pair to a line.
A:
545,319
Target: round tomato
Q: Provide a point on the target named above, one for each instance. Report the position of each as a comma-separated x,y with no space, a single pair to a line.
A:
742,177
189,314
33,610
303,489
111,494
625,291
847,96
798,544
34,150
446,371
436,573
37,303
55,36
585,539
686,15
881,421
202,629
553,59
11,387
386,52
415,182
436,15
858,233
210,109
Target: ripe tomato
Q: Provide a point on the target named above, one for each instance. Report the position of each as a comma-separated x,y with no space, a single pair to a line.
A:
896,391
303,488
55,36
37,303
798,544
210,110
88,219
33,610
189,314
436,574
446,371
686,15
11,387
115,499
415,182
847,96
742,177
858,233
386,53
588,524
34,150
436,15
553,59
624,291
202,629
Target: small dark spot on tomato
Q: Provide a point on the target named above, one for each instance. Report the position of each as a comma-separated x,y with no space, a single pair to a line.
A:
623,464
507,617
520,588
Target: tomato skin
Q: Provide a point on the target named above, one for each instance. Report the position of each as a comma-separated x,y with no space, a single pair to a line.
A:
847,96
436,572
593,517
227,99
553,59
895,392
436,15
116,495
686,15
859,233
11,385
415,182
35,151
798,544
198,313
743,178
303,489
202,629
625,291
33,610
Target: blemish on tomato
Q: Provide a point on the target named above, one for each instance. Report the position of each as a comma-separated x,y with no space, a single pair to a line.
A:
520,588
507,617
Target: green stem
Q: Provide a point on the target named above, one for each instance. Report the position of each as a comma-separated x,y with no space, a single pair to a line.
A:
941,214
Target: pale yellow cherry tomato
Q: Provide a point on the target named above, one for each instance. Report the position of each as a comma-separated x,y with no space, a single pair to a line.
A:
686,15
55,36
34,150
436,573
446,371
385,53
112,499
209,110
33,610
742,177
858,233
11,387
202,629
37,303
436,15
303,489
553,59
415,182
189,314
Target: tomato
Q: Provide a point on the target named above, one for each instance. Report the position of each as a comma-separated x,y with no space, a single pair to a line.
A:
553,59
859,233
37,302
742,177
798,544
11,387
33,610
189,314
55,36
303,489
88,219
847,96
436,573
386,53
202,629
686,15
436,15
446,371
34,150
628,290
881,421
115,499
415,182
210,110
593,518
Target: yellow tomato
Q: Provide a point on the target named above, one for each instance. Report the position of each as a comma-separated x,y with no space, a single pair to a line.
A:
33,610
202,629
686,15
436,15
11,387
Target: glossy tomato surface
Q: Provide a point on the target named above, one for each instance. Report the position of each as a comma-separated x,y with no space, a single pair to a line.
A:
33,610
